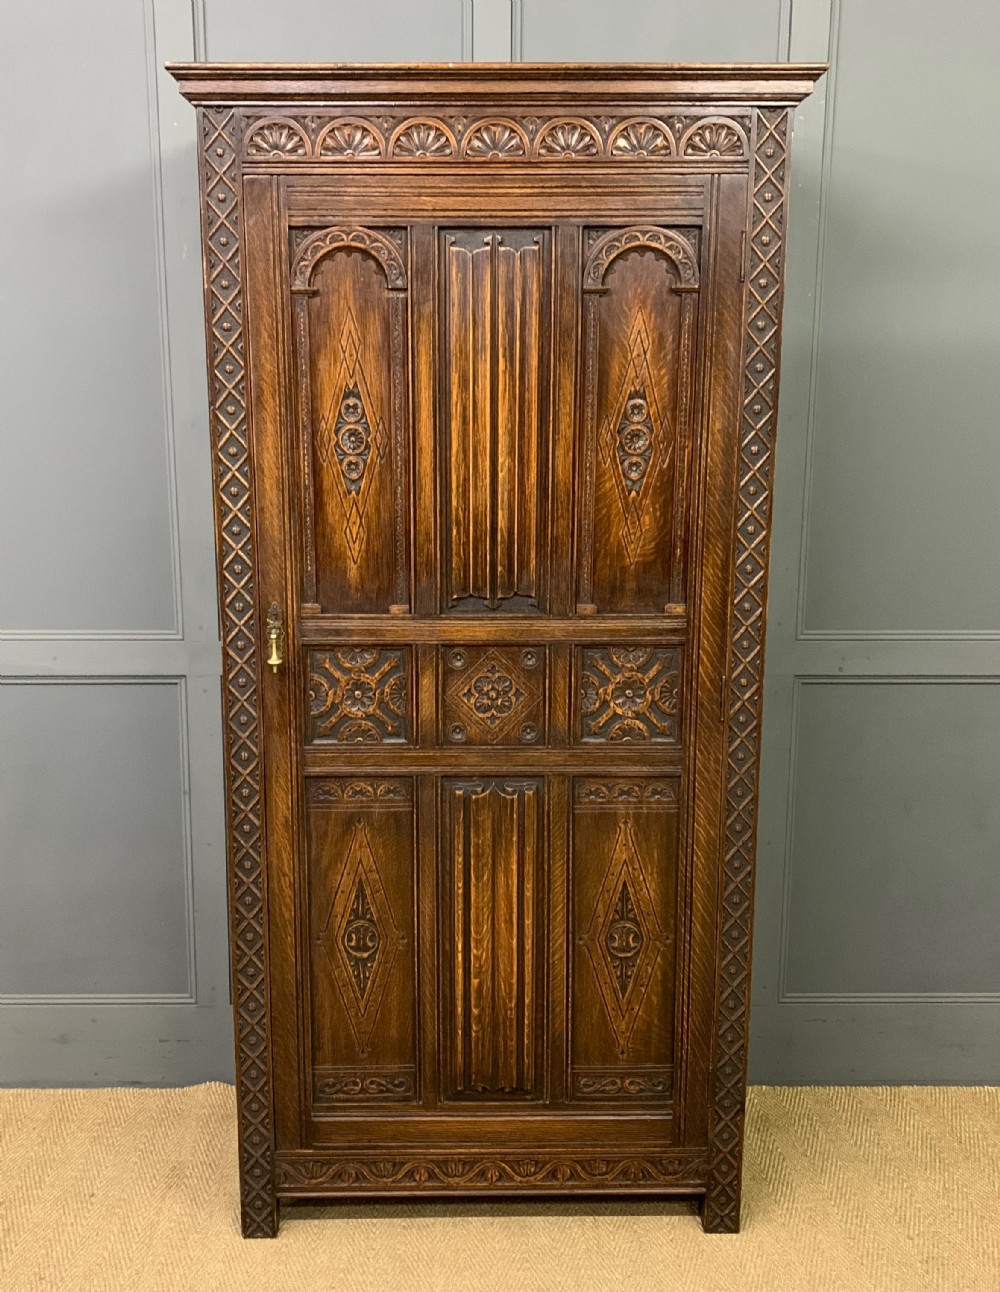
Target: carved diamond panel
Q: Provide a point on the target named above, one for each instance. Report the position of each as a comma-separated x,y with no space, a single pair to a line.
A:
493,695
360,937
353,435
360,695
625,937
629,693
636,437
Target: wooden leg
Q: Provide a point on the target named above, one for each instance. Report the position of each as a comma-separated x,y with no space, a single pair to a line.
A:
720,1209
259,1214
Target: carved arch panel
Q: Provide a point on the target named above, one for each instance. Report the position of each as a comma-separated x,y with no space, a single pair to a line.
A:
350,300
639,288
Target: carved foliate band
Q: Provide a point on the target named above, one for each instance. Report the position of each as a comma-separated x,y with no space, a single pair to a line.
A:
358,1173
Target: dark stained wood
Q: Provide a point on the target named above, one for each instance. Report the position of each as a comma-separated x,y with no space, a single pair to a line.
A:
493,356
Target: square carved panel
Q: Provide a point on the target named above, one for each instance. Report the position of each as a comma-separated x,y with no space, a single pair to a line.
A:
493,695
629,694
360,695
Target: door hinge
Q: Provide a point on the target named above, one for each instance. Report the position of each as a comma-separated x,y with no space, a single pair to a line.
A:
743,256
722,696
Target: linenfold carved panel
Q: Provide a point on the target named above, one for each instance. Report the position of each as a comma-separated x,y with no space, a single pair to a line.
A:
349,287
362,968
493,953
638,330
495,336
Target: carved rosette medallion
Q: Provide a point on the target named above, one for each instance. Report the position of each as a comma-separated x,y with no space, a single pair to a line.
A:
494,695
359,695
625,937
360,937
352,437
629,693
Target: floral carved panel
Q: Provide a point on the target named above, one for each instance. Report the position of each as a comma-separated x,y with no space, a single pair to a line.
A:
493,695
360,695
629,694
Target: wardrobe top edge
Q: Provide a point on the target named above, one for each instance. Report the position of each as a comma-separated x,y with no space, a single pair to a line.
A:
763,83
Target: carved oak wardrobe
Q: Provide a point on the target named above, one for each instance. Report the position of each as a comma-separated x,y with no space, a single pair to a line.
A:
493,357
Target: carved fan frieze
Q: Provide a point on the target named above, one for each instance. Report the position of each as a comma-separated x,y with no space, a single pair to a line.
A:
569,138
422,139
642,138
350,139
279,138
674,138
714,137
495,141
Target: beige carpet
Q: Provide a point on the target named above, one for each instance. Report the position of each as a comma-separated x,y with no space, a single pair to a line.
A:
852,1189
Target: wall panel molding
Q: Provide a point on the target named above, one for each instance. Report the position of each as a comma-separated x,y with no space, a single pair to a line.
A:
152,66
88,999
793,10
784,995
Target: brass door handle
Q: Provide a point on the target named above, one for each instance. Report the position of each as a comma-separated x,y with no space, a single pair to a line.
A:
275,637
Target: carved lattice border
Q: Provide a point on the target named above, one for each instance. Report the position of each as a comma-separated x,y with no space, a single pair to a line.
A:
762,332
235,556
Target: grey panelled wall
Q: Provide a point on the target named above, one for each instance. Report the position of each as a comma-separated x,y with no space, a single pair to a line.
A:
878,884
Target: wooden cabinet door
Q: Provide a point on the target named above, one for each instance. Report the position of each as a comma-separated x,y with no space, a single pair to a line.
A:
494,431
